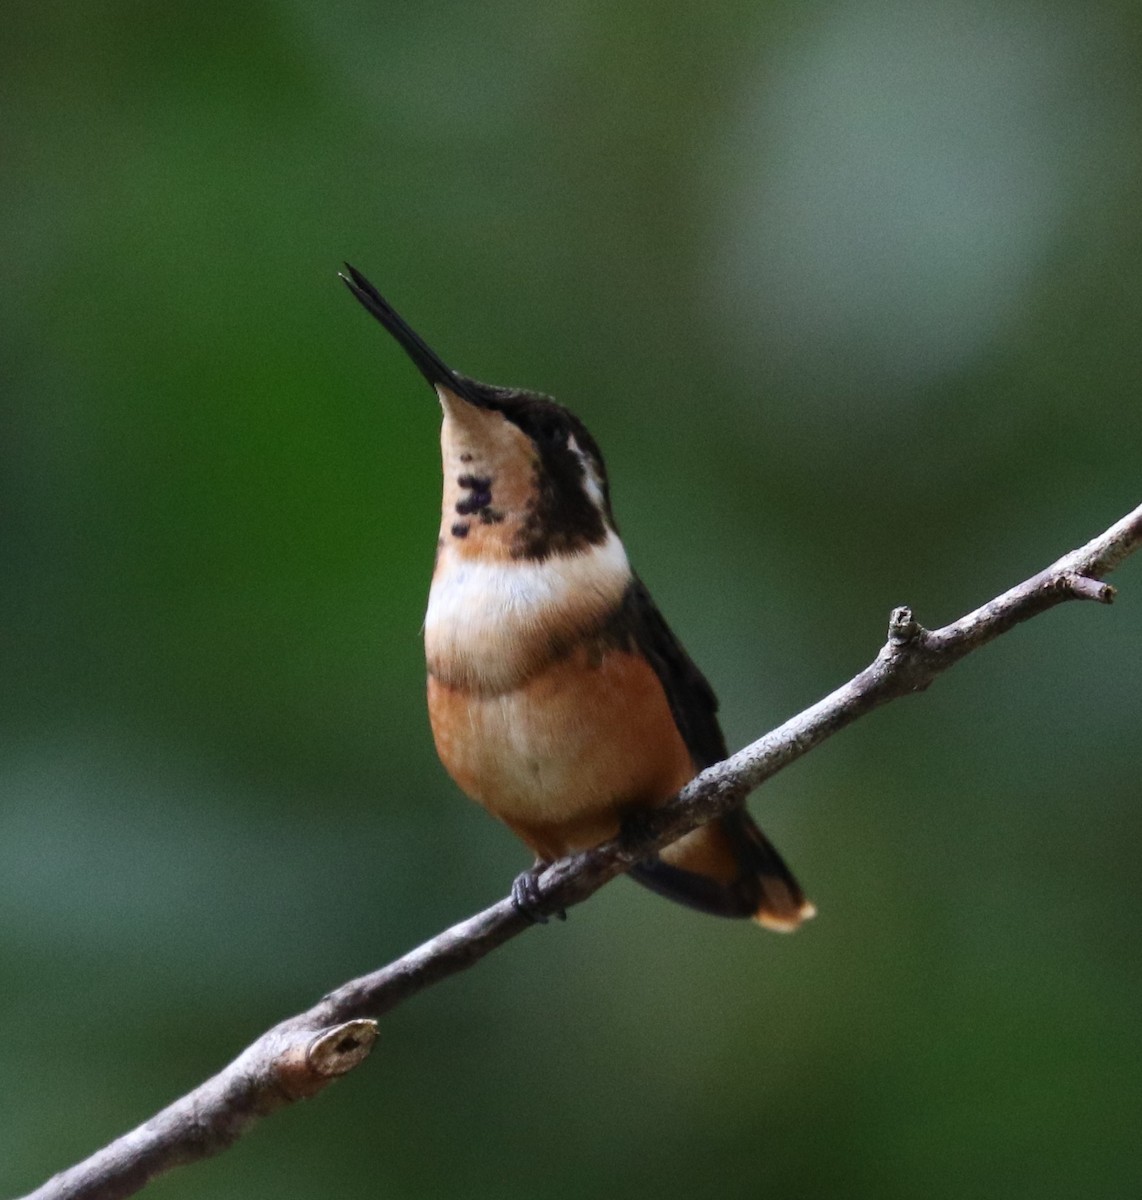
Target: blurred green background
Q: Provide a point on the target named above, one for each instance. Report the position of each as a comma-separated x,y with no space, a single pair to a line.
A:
850,294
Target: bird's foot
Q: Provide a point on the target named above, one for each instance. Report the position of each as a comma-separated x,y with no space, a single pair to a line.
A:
526,896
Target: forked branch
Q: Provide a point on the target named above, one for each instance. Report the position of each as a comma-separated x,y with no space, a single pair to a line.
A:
300,1056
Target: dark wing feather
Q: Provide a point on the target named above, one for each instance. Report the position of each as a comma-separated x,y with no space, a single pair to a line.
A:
692,700
765,889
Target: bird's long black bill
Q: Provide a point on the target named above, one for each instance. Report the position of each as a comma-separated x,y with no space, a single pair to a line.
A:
427,361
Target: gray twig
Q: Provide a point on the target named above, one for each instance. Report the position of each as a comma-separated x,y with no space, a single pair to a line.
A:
300,1056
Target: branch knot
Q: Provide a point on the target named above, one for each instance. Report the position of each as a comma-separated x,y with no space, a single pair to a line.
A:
306,1067
903,628
1082,587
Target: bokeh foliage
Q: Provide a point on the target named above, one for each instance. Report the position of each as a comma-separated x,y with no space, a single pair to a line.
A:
849,292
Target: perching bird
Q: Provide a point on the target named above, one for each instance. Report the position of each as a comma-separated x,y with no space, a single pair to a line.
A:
559,698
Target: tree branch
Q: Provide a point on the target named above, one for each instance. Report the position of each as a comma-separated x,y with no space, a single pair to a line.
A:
300,1056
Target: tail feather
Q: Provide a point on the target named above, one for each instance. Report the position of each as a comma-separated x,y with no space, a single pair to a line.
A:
781,904
730,869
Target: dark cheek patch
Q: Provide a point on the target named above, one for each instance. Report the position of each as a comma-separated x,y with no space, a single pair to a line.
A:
460,529
561,518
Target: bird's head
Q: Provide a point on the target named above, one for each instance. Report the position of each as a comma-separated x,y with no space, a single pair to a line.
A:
523,478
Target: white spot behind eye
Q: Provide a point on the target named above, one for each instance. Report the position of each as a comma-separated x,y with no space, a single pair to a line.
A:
592,484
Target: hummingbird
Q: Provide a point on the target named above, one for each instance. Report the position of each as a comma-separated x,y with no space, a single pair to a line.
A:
558,696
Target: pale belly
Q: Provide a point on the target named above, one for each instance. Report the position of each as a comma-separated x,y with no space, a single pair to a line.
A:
562,757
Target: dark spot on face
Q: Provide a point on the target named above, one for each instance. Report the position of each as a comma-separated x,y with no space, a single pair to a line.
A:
465,457
478,483
474,503
490,516
460,529
479,496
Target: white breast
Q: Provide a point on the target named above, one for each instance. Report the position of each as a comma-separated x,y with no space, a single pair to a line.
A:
490,624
